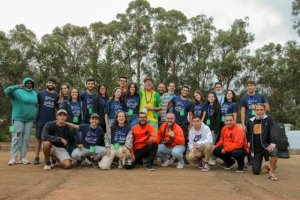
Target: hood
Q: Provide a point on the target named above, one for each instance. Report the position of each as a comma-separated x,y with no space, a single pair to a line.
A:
28,79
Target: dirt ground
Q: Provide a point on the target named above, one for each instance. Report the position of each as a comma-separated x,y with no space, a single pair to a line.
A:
31,182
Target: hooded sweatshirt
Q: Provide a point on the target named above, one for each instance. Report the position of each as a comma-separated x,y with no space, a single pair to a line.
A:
24,101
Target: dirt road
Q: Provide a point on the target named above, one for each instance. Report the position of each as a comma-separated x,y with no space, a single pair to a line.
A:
31,182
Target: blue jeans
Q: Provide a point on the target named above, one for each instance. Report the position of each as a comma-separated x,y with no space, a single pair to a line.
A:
164,152
20,138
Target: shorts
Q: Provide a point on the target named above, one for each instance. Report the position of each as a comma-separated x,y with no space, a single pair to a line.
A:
39,130
60,153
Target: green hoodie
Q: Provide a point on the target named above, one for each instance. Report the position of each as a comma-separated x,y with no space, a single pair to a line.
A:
24,101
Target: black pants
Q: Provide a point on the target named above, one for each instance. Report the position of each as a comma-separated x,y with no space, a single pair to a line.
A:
237,154
258,157
185,129
148,153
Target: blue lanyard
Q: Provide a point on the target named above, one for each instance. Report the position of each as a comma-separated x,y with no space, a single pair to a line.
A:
209,110
182,103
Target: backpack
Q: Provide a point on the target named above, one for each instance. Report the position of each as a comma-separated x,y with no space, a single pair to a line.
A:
282,143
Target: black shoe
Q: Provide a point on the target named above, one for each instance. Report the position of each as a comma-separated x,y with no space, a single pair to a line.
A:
240,169
95,163
149,166
36,161
186,161
78,164
230,166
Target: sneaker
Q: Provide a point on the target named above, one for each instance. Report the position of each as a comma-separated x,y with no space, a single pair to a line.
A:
36,161
95,163
86,161
78,164
185,161
180,165
230,166
222,165
120,164
11,162
53,162
47,166
206,168
240,169
200,164
149,166
24,161
212,161
168,162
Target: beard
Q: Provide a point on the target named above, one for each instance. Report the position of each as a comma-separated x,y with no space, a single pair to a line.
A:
142,123
49,87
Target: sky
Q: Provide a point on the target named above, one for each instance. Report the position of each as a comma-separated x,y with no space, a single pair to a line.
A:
270,20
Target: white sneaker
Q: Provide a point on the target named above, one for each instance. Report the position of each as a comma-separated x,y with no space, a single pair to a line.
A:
212,161
11,162
24,161
86,162
180,165
47,167
168,162
120,164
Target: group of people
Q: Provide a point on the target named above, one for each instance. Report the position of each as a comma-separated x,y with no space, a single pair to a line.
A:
134,127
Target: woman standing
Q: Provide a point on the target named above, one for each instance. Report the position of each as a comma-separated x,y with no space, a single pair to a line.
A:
199,105
100,104
64,93
229,106
114,106
75,109
132,103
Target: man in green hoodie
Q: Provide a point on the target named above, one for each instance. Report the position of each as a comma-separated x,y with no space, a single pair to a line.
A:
24,110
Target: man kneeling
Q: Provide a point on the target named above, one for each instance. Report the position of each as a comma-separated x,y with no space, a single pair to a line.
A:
58,139
200,144
233,144
172,146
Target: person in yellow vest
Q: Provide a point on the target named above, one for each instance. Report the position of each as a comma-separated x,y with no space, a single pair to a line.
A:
150,102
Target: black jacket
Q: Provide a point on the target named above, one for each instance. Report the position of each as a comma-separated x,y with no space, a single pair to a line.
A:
269,133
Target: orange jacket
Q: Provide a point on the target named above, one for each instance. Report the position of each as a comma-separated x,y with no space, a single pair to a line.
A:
178,138
141,135
233,138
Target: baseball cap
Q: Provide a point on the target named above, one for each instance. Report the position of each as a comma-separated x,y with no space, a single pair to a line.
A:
95,115
61,111
148,78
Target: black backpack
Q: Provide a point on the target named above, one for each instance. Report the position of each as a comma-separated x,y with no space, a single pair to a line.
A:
282,144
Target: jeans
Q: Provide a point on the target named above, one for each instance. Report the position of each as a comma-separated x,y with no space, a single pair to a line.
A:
20,138
164,153
99,153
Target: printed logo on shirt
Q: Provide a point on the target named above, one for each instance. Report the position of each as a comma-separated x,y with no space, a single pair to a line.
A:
197,137
49,102
198,110
91,137
257,129
131,103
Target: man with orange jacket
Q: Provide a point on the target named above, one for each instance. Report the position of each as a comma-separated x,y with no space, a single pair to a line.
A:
143,143
233,144
173,143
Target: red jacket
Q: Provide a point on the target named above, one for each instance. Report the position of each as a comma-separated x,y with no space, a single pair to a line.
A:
141,135
178,138
233,138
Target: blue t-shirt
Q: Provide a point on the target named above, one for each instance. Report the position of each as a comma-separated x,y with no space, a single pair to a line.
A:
99,107
46,112
119,134
248,100
198,108
228,107
181,108
133,103
90,136
113,107
88,101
